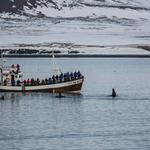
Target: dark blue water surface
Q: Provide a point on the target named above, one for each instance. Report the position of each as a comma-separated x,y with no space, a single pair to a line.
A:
91,121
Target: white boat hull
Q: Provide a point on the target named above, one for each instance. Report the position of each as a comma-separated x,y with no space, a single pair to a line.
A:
65,87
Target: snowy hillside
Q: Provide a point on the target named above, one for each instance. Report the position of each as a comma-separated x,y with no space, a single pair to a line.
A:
74,8
39,24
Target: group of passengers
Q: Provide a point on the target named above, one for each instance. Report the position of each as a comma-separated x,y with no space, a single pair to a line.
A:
53,80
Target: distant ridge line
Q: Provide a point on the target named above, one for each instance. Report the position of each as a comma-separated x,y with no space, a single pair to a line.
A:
116,6
82,55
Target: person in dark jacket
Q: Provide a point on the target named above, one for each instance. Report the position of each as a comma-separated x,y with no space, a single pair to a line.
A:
53,78
71,75
56,78
18,82
32,82
43,82
5,82
24,82
46,81
49,81
37,81
18,68
75,74
65,77
61,77
78,74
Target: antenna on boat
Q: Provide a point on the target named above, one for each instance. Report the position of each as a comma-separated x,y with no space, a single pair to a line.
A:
1,67
55,68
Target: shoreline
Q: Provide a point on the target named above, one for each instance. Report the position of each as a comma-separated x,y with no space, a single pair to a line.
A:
79,56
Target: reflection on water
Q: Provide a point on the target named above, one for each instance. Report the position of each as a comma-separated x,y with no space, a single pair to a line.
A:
92,120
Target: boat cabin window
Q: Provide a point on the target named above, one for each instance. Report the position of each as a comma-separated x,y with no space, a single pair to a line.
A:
20,75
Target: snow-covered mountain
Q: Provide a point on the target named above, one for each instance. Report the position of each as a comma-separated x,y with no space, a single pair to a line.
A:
70,24
124,12
71,8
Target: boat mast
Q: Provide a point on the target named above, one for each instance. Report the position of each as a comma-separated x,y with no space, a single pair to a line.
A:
55,69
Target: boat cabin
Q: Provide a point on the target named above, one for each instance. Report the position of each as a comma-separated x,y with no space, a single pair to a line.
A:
12,75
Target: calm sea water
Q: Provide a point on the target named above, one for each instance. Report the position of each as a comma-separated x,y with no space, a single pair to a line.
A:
91,121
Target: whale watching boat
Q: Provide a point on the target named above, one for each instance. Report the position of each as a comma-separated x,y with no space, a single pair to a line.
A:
12,80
